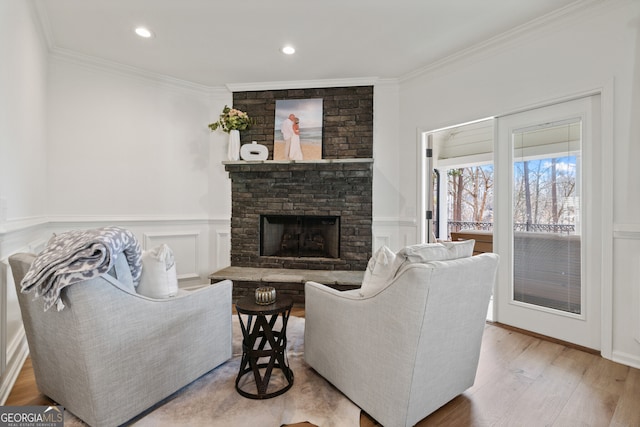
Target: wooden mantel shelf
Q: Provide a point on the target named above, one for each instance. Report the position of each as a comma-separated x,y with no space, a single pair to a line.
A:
291,162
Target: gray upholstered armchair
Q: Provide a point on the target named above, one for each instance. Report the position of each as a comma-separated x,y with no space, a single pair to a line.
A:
405,349
111,353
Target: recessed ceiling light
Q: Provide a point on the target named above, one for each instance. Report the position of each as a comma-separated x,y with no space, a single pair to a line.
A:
144,32
288,50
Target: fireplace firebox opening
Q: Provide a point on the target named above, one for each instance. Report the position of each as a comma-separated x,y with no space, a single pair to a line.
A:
300,236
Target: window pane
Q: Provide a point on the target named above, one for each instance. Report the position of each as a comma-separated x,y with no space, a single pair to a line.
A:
546,216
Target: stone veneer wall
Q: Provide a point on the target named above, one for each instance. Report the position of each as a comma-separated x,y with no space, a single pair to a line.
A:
347,126
336,187
340,184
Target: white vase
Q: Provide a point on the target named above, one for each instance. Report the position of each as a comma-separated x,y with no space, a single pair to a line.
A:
233,152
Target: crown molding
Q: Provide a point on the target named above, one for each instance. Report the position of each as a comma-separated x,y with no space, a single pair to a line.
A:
41,17
302,84
512,37
387,82
116,68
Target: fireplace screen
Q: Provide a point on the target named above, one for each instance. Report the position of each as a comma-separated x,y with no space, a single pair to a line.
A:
300,236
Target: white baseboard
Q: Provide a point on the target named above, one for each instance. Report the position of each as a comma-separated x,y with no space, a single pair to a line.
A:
626,359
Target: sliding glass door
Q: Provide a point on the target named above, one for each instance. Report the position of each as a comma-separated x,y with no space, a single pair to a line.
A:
547,199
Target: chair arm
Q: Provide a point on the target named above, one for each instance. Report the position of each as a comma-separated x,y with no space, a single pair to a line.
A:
334,292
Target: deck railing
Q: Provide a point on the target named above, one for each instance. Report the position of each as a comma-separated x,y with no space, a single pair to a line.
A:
488,226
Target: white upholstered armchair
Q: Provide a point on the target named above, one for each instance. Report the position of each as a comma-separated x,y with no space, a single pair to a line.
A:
409,347
112,353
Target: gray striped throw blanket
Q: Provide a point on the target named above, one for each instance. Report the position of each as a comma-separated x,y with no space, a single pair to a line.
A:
79,255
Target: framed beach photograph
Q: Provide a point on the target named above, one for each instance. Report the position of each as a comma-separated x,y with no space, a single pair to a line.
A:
298,129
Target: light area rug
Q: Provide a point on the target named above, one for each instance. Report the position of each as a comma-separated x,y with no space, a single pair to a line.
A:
212,400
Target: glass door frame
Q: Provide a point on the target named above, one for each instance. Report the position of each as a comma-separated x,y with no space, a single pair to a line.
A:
584,329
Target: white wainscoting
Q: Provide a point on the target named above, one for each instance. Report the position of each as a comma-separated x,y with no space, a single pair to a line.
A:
200,245
4,280
626,310
12,337
186,247
222,241
395,233
23,236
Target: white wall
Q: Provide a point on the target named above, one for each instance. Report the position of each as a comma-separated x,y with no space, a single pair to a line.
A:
22,115
120,145
573,54
23,152
134,150
389,227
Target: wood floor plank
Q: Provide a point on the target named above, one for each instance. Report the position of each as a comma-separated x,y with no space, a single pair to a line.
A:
518,362
460,411
504,346
25,391
587,407
595,398
628,409
548,394
607,375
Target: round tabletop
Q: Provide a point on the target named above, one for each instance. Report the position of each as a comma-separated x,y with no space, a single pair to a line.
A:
248,305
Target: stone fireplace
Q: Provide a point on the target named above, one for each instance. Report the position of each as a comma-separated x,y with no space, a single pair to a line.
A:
301,215
294,221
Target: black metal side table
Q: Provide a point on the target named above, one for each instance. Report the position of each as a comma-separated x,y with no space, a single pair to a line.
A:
263,348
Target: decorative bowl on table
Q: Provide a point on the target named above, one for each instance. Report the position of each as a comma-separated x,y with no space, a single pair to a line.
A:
265,295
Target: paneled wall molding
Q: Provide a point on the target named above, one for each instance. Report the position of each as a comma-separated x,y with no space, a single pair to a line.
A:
223,247
636,297
394,221
17,352
394,232
626,231
99,220
22,235
186,247
4,272
14,226
13,343
628,238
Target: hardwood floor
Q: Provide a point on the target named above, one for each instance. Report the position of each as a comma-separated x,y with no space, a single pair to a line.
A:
522,380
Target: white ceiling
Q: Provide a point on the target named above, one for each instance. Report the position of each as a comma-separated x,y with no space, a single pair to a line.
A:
214,43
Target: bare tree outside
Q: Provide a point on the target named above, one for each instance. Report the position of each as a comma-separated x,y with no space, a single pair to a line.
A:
470,196
544,195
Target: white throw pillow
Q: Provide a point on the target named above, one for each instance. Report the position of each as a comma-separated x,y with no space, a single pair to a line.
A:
380,271
437,251
159,279
460,249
